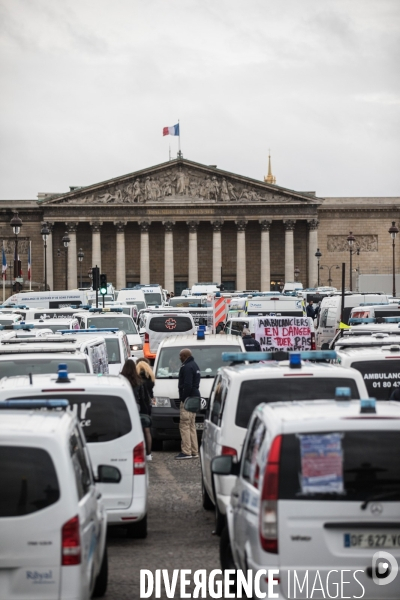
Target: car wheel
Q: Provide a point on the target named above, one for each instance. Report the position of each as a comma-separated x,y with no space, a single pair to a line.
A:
219,521
225,551
157,444
206,500
100,586
138,531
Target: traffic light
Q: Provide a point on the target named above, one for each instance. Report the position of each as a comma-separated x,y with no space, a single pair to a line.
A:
103,284
95,278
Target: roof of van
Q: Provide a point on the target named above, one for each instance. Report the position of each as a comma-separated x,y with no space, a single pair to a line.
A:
300,415
274,368
85,381
37,423
391,350
191,340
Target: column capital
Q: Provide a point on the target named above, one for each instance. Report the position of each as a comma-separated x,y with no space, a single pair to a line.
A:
241,225
193,225
217,225
289,224
71,227
49,225
96,226
120,225
168,226
312,224
144,226
265,225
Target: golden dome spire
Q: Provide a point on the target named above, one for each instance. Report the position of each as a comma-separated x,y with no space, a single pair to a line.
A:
269,178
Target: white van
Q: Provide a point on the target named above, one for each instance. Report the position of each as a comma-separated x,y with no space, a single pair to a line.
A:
52,520
207,353
113,318
197,306
108,415
58,299
33,314
155,325
53,324
329,316
277,305
317,500
118,350
375,311
142,295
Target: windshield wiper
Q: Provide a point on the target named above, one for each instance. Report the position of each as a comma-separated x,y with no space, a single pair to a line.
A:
379,497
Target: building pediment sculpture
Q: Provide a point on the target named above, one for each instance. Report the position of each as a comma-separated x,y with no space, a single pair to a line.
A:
179,181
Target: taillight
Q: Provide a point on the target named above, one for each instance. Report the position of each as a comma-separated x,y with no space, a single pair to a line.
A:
146,338
269,500
228,451
139,460
71,543
313,344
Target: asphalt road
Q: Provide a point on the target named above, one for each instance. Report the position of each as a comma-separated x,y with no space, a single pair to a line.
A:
179,529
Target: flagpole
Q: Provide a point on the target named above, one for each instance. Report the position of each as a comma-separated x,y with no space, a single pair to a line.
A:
30,265
179,140
4,279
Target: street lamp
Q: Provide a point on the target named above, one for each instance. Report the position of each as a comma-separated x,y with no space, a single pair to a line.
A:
16,225
81,255
65,240
296,273
393,232
45,232
350,240
318,255
329,272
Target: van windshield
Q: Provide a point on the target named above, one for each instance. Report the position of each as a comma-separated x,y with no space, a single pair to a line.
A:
256,391
12,367
362,466
184,303
122,322
381,377
28,481
208,359
153,299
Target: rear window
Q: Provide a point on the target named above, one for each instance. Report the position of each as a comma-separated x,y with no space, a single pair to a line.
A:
102,418
179,302
360,466
256,391
10,367
28,481
153,299
381,377
173,324
208,358
113,352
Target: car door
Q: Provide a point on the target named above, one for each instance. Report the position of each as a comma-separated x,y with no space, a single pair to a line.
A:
245,496
211,432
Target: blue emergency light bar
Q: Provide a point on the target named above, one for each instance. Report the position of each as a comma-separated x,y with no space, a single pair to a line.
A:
343,394
91,330
23,325
359,320
258,356
374,304
390,319
14,306
26,403
80,306
368,405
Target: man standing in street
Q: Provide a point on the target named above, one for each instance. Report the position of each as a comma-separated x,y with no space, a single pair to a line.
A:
250,344
189,382
310,310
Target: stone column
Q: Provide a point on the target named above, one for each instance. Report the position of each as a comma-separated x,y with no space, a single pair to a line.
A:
169,275
241,255
193,266
96,243
217,252
72,256
120,279
265,279
144,252
289,250
312,248
49,256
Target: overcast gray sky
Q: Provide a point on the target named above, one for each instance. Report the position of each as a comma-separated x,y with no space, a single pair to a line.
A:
88,85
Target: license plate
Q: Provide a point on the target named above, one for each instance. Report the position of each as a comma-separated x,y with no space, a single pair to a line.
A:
372,540
199,425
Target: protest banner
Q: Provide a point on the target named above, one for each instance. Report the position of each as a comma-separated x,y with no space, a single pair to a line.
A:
284,333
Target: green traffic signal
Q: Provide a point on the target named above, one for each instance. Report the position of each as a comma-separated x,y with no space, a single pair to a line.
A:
103,284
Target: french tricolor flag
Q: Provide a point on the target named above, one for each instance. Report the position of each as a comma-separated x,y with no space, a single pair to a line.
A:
174,130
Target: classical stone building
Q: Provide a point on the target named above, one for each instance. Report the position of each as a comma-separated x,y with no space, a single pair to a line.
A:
181,222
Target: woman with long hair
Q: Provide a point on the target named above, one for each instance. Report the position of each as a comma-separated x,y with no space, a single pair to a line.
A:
146,374
141,395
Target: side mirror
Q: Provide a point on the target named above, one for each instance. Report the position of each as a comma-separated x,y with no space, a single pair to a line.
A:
224,465
145,420
142,331
325,346
108,474
192,404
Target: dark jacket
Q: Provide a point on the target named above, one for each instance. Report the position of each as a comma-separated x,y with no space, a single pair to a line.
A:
250,344
310,311
142,399
189,379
